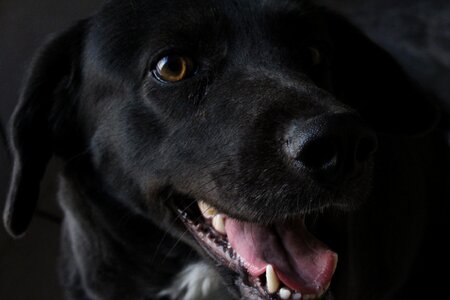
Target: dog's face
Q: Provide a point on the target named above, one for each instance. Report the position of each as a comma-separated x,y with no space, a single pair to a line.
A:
192,106
230,107
234,121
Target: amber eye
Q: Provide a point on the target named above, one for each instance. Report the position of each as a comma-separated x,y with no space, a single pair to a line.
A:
316,56
173,68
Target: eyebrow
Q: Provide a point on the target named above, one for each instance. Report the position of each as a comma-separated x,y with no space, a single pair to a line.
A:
288,7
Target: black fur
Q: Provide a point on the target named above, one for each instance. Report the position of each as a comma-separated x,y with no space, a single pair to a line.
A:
131,145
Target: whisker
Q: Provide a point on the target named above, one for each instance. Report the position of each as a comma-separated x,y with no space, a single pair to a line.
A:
178,241
174,246
166,232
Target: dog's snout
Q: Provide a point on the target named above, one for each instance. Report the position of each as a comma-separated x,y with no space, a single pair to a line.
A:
332,148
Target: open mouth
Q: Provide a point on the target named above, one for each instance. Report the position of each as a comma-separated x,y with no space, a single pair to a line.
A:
277,261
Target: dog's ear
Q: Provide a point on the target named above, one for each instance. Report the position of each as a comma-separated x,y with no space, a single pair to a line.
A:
39,123
369,79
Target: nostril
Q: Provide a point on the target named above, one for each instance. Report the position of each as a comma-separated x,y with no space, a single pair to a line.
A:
366,146
318,154
331,148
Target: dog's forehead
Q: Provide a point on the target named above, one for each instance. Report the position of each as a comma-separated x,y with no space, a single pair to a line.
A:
168,16
176,8
134,21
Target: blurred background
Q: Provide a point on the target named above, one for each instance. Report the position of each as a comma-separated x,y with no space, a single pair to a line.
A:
415,32
28,267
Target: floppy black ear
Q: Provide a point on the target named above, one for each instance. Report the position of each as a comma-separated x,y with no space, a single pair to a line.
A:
40,123
370,80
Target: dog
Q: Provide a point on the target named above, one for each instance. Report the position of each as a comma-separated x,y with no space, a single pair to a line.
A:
232,150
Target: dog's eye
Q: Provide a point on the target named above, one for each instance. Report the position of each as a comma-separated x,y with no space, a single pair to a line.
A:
315,55
173,68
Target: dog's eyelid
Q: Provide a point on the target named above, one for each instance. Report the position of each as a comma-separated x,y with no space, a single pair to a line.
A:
168,50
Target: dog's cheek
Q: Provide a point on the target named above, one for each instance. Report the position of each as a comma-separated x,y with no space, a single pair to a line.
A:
125,149
174,102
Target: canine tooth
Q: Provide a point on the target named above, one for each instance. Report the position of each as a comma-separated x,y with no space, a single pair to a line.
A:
273,284
207,210
297,296
218,223
284,293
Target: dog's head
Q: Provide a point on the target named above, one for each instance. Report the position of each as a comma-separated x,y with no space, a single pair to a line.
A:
234,120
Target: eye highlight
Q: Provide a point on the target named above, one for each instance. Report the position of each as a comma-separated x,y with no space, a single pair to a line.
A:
173,68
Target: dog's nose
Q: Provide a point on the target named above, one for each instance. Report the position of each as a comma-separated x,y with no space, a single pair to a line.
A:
332,148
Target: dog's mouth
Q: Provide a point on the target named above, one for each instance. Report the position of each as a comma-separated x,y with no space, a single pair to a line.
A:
277,261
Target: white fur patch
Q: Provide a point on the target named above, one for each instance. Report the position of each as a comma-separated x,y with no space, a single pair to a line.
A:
197,281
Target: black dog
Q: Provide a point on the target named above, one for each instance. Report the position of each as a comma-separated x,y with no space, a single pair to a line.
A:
198,138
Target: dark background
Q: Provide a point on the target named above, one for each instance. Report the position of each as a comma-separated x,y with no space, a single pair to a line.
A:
416,32
28,266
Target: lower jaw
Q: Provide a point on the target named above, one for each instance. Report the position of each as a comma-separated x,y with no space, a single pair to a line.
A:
219,249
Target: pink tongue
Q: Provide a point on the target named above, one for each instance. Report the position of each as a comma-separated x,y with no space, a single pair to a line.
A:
301,262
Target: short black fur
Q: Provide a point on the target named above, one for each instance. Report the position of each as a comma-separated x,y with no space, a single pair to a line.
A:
132,145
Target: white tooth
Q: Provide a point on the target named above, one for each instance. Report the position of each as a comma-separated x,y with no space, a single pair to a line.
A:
284,293
218,223
273,284
207,210
297,296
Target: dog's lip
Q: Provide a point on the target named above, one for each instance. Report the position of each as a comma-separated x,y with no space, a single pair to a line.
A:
230,248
